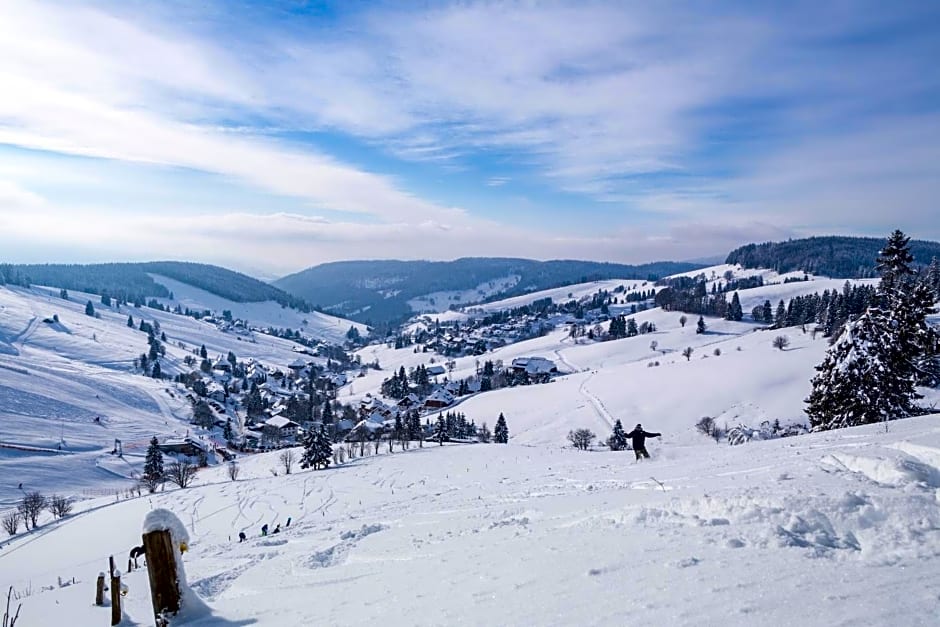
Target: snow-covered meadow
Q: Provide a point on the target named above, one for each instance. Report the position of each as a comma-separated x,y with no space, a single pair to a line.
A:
837,528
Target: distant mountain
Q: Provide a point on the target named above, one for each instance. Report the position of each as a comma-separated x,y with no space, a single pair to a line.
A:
377,292
132,281
833,256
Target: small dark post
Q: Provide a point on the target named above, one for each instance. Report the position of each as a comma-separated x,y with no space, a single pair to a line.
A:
115,597
99,590
161,568
111,566
130,565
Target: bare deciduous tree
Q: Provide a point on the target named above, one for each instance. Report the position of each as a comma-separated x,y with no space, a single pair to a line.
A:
687,353
653,345
683,320
11,522
287,460
60,506
781,342
233,470
30,508
181,473
581,438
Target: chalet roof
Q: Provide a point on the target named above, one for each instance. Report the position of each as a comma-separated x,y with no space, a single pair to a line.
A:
441,395
534,365
280,422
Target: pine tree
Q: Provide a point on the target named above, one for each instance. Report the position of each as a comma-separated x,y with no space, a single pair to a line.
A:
157,373
768,313
780,319
931,278
870,372
227,432
501,431
700,326
318,450
153,474
398,431
324,448
89,309
854,384
618,439
203,352
440,430
894,262
631,328
309,442
735,312
130,321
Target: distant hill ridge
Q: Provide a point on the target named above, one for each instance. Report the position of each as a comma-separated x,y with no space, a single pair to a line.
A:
376,292
833,256
132,281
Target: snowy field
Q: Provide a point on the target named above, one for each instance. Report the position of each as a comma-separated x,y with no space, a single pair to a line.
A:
830,529
840,528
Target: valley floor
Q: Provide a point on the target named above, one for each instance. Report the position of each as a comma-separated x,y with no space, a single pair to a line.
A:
841,528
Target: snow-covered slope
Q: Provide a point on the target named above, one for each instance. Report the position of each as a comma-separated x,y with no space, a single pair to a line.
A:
442,301
795,531
798,531
57,378
265,314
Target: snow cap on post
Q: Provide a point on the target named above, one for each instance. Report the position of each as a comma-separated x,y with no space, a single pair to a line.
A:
165,520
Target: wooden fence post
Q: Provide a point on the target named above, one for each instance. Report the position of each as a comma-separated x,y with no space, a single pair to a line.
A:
115,597
99,590
161,568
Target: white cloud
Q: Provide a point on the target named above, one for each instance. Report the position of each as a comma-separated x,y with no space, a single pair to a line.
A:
281,243
612,102
74,93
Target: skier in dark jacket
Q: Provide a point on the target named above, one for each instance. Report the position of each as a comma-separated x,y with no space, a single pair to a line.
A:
638,440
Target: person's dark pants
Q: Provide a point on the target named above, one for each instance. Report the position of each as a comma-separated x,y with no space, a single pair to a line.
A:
641,452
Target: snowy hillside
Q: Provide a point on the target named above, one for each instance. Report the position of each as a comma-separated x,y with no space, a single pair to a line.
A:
264,314
442,301
56,378
776,532
786,532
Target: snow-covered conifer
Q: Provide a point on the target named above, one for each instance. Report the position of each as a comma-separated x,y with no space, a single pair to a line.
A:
501,431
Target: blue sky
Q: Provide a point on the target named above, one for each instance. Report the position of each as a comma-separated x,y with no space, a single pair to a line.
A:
270,137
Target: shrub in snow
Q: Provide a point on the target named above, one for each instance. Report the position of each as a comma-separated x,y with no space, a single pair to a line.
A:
707,426
581,438
11,522
618,439
741,434
781,342
287,460
181,473
60,506
30,508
